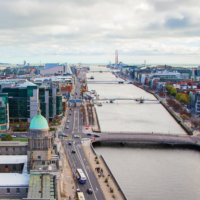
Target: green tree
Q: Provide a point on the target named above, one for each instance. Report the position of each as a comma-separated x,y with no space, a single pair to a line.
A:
173,92
7,137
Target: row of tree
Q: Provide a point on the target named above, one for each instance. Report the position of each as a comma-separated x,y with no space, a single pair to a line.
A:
181,97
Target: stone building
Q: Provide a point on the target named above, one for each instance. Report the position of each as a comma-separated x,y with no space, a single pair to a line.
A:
39,140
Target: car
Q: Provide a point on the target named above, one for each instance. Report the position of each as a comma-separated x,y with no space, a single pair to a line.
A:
78,190
67,127
69,143
23,135
96,135
89,134
73,151
89,191
76,136
67,121
14,136
62,134
70,114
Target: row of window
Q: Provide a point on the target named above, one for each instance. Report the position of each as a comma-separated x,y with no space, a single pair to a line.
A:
12,149
17,190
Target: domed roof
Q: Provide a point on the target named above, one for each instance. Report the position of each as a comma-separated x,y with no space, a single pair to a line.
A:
38,122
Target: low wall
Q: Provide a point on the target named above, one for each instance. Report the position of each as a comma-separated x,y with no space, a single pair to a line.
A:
97,121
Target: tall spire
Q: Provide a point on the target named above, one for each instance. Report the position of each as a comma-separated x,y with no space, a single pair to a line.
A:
39,111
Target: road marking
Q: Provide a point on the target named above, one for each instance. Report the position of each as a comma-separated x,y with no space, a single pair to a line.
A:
81,161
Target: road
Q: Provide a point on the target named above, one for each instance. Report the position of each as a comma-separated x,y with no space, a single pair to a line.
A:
76,160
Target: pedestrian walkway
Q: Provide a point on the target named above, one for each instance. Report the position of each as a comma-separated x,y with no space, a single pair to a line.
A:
101,177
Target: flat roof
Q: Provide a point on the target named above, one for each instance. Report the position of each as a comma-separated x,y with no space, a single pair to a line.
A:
12,143
14,179
13,159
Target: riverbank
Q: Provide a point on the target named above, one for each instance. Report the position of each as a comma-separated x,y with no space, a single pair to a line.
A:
107,174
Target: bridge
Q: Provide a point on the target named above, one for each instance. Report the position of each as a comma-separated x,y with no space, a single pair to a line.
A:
109,81
141,100
100,71
149,138
75,100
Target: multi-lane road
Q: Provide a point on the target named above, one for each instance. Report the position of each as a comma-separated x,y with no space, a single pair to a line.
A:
76,160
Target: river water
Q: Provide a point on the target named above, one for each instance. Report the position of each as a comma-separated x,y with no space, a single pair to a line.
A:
155,173
131,116
145,172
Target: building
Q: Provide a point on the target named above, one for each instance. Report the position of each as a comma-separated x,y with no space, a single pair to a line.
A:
55,68
4,112
35,175
13,148
14,177
23,101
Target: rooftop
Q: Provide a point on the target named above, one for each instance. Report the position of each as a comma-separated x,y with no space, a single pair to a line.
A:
41,186
39,122
14,179
16,159
12,143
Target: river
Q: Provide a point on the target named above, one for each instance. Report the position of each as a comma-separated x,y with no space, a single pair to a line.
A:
155,173
150,172
130,116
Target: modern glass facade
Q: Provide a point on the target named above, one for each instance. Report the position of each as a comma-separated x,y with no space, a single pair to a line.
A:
20,106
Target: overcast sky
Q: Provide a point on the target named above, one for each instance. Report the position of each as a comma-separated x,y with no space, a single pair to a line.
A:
159,31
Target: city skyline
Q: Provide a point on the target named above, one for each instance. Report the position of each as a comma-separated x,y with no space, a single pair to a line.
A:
91,31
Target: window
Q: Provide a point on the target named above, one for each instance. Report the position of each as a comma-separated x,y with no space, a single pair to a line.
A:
14,167
0,150
18,190
6,168
6,149
8,190
13,149
26,190
39,157
20,148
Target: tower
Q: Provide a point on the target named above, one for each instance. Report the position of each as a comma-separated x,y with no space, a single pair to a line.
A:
39,140
116,57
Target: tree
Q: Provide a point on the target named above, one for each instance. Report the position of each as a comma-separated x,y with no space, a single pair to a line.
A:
7,137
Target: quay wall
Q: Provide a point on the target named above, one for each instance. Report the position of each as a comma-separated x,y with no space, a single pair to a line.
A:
120,189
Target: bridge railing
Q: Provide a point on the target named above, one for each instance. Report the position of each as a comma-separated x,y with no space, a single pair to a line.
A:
140,133
161,140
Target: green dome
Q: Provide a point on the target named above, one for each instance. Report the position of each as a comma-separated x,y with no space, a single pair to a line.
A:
38,122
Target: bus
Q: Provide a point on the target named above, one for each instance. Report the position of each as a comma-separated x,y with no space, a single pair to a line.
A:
80,176
80,196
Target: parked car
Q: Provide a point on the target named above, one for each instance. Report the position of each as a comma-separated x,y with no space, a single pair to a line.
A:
69,143
67,127
67,121
89,191
14,136
23,135
73,151
89,134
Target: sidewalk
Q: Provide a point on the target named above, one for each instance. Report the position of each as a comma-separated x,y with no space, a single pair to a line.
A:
68,187
111,182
